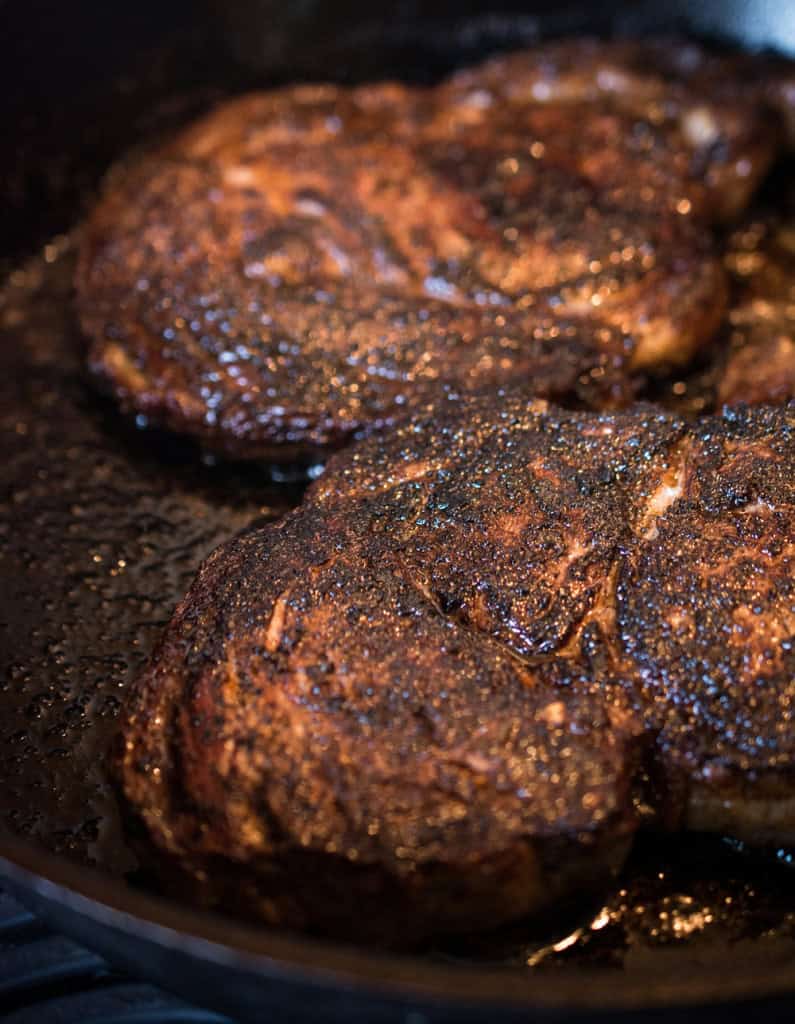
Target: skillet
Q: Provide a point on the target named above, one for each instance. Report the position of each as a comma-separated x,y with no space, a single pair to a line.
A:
103,525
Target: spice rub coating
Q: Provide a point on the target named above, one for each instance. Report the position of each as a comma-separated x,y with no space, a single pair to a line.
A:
434,691
300,265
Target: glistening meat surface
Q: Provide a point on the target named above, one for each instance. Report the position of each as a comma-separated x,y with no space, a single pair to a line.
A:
431,694
303,264
758,364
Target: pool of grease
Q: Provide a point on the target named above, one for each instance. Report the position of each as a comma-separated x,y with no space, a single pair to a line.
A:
103,526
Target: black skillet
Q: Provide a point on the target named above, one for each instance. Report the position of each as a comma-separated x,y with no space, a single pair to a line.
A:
102,525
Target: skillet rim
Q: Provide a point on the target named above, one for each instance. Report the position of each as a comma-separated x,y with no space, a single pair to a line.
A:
40,877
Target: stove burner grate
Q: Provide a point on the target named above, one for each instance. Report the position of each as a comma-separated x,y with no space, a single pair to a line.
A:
46,977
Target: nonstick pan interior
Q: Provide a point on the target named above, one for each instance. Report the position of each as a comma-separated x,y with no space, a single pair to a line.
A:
104,523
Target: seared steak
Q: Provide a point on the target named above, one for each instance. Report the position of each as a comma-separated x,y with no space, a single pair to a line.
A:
758,365
302,264
427,699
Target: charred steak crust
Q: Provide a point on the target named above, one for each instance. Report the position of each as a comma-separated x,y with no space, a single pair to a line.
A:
758,364
425,700
303,264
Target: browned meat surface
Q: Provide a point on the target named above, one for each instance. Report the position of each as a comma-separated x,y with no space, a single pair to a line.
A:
731,78
761,365
301,264
425,700
657,119
759,362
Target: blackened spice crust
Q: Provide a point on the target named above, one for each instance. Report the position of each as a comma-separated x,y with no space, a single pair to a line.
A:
426,699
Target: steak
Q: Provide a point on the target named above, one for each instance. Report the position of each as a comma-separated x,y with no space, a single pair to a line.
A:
445,691
758,365
302,265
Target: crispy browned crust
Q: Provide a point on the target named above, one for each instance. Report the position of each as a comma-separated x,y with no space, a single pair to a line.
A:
301,265
706,614
425,699
706,125
758,364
